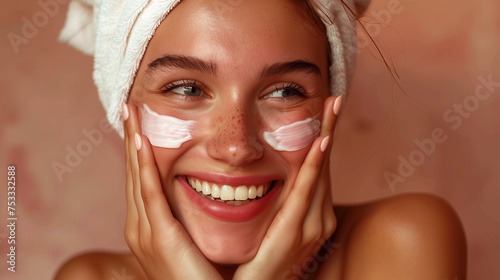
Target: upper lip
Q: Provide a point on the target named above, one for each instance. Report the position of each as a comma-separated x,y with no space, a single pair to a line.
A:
234,180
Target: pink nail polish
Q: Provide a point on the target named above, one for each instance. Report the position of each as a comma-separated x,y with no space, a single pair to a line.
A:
324,143
337,105
138,141
125,111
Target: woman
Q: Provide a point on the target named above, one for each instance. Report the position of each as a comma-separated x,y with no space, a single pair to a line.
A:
240,189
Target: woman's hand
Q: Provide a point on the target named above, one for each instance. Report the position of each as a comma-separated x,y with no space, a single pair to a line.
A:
158,240
306,219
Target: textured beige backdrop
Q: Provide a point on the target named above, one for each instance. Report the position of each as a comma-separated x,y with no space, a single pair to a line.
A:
440,48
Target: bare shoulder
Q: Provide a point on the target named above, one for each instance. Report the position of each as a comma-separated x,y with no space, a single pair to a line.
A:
410,236
100,265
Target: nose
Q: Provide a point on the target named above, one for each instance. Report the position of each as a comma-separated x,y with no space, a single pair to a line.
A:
235,139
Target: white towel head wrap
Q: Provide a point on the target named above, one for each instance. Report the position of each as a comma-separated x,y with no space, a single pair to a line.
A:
117,33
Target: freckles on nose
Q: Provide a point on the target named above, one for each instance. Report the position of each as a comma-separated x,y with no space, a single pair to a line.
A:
232,139
230,133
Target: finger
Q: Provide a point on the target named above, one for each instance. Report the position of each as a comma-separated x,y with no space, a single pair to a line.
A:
155,203
320,211
324,180
319,222
311,184
166,231
331,105
133,129
132,215
308,175
331,110
300,196
329,218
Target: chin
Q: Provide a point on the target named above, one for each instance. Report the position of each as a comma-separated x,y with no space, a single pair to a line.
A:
230,255
227,242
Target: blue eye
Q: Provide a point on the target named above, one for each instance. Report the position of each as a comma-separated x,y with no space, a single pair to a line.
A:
188,90
287,91
282,93
184,88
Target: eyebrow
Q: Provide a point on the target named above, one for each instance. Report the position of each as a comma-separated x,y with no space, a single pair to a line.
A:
181,62
291,66
193,63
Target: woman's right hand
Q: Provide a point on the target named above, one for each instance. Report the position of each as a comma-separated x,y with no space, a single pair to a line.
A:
159,241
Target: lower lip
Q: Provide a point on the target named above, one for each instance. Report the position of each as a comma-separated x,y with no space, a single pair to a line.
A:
230,213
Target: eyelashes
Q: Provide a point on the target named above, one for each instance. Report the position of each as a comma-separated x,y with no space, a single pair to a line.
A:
184,88
187,89
288,91
176,84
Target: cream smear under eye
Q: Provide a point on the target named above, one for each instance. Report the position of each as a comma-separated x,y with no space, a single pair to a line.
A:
294,136
165,131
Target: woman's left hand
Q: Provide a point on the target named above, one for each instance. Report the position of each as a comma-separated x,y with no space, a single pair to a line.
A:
306,219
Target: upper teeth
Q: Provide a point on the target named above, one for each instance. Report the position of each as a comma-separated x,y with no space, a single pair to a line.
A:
226,192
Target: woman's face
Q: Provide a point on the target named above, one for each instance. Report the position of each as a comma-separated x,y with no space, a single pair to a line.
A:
237,71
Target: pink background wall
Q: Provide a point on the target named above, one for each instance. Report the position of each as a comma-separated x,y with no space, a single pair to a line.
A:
440,48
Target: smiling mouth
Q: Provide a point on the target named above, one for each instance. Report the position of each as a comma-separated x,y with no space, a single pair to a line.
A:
232,195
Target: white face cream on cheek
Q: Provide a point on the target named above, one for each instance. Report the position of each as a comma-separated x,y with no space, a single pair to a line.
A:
294,136
165,131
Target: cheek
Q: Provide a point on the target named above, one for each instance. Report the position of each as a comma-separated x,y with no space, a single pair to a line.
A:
169,138
293,161
165,161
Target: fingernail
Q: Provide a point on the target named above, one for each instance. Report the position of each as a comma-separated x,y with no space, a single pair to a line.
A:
324,143
125,111
138,141
337,104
